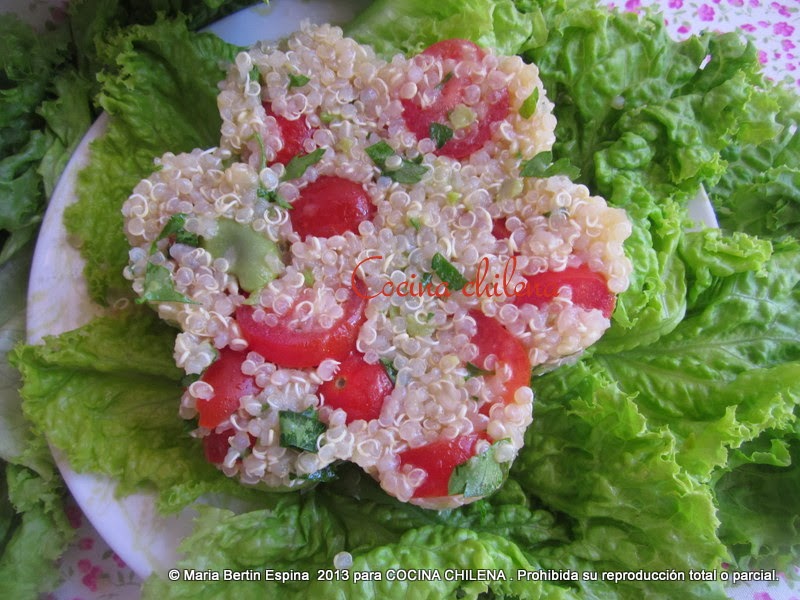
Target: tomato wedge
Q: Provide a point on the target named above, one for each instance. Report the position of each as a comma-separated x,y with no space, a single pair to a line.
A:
294,345
229,383
438,459
589,289
215,446
449,94
492,338
331,206
293,133
359,388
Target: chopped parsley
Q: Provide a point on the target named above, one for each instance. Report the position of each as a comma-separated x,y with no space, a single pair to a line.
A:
409,171
447,272
390,369
480,475
158,286
300,163
300,430
474,370
176,226
542,165
298,80
528,107
440,134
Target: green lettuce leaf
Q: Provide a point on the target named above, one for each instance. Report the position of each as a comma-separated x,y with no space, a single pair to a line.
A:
156,74
115,380
412,25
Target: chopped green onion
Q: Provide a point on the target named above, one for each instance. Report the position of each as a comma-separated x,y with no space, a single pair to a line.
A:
441,134
408,172
300,430
447,272
462,116
528,108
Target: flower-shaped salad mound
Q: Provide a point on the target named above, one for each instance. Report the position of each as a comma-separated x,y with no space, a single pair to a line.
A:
370,264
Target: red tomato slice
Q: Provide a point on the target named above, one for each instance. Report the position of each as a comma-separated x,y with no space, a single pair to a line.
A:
499,229
215,446
359,388
489,110
293,132
457,49
439,459
492,338
229,383
288,344
589,289
331,206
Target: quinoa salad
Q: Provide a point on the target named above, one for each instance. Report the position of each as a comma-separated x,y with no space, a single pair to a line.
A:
371,263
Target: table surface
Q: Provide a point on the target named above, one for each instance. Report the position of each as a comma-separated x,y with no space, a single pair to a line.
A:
91,570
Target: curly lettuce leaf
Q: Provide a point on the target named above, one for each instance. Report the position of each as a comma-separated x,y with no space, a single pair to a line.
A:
410,26
162,73
113,380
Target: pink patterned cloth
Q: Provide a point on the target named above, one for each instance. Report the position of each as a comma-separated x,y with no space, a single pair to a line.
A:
93,571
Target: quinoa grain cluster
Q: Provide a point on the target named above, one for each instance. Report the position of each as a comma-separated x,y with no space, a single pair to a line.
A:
436,143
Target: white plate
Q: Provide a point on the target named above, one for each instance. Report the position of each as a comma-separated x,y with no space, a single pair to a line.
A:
146,541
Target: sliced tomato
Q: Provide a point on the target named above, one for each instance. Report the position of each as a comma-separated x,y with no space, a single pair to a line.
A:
589,289
450,93
295,345
331,206
499,229
359,388
293,133
229,383
494,339
215,446
438,460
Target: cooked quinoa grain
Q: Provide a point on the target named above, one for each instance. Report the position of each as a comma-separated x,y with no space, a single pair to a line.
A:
349,268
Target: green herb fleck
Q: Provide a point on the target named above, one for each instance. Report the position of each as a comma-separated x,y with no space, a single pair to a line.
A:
426,279
479,476
407,173
298,80
390,370
414,222
326,474
474,370
158,286
308,277
447,272
328,118
300,163
177,226
528,107
273,197
189,379
448,76
542,165
255,74
300,430
441,134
